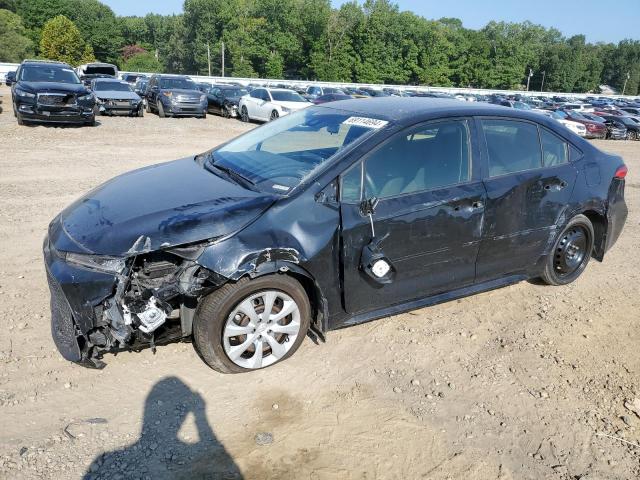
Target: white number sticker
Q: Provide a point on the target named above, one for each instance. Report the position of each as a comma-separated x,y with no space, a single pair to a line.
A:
365,122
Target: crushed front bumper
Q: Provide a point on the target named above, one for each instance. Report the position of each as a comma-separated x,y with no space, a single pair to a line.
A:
51,114
119,107
76,296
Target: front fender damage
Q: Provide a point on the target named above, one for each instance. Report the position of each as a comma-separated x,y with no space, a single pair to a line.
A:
153,301
156,295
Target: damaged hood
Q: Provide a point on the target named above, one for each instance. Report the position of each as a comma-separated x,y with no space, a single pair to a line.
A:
155,207
116,95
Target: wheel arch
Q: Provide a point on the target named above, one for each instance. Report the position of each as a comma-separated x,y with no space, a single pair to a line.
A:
599,222
317,300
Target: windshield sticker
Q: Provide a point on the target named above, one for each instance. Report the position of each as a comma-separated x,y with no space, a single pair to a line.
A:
280,187
67,70
365,122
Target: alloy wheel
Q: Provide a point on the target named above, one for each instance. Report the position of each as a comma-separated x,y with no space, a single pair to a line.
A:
274,115
261,329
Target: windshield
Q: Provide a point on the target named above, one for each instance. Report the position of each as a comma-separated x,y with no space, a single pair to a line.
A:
280,155
627,121
521,106
234,92
42,73
286,96
183,83
111,86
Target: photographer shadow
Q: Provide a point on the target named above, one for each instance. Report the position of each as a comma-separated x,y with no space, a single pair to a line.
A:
159,453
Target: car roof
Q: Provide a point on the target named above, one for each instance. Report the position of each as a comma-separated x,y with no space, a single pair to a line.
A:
410,109
48,63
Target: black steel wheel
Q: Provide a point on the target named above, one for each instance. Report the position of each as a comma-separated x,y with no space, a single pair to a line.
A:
571,252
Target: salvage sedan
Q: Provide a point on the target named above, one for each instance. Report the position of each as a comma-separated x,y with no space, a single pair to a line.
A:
331,216
117,97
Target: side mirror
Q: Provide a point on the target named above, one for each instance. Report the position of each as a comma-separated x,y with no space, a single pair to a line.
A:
368,208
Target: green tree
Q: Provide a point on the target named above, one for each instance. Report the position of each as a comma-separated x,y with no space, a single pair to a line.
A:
61,40
274,66
142,62
14,44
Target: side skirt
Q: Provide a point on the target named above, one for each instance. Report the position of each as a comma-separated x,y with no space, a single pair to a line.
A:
432,300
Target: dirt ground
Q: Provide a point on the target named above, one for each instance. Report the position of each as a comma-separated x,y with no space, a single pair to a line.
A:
525,382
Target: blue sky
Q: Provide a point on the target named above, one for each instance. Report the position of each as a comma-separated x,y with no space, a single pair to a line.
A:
598,20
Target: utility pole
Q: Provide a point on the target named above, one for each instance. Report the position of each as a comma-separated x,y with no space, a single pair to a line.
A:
544,73
625,82
209,58
529,78
222,52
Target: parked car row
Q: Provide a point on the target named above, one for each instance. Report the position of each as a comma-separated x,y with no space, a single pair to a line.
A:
47,91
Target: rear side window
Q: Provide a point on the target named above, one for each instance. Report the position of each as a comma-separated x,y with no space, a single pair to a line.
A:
554,150
513,146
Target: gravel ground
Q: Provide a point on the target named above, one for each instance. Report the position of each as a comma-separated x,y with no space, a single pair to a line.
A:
526,382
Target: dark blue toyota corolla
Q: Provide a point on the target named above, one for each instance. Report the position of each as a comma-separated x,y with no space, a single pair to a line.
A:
331,216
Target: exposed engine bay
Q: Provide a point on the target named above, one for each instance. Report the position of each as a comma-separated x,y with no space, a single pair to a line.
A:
154,303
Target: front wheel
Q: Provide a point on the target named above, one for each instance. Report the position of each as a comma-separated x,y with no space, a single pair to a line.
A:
244,114
251,324
161,113
274,115
571,252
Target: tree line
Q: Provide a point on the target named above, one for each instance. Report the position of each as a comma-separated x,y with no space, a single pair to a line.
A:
373,42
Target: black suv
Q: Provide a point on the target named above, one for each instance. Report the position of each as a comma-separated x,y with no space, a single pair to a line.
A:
51,92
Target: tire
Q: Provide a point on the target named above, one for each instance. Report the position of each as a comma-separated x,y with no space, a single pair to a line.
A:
214,312
140,112
274,115
160,108
244,114
571,252
224,111
19,119
91,122
203,116
149,110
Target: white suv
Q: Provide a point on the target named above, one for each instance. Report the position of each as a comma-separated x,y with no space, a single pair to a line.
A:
267,104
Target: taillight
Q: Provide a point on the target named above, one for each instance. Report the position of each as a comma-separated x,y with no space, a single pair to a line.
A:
621,172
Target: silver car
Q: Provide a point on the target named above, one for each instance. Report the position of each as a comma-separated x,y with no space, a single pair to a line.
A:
116,97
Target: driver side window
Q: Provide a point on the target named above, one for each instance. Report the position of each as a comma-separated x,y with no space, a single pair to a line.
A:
429,157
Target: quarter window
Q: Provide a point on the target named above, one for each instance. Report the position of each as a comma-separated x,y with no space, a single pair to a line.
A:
427,158
513,146
554,149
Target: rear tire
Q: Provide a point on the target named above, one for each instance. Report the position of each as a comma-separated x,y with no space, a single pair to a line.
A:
571,252
217,309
